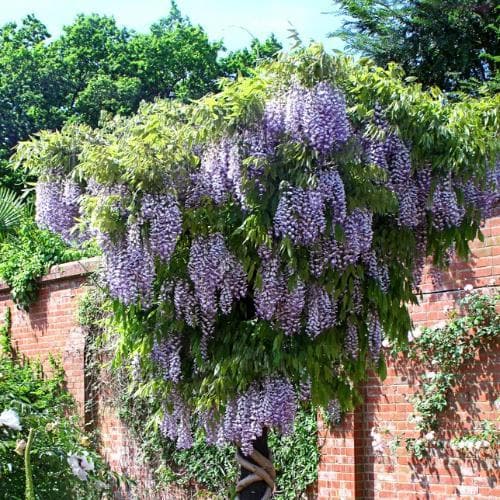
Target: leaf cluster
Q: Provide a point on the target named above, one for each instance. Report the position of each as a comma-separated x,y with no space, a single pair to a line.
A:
45,406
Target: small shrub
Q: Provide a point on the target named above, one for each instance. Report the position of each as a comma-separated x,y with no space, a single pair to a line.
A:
42,404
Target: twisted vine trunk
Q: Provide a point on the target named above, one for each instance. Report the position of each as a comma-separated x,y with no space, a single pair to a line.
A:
257,473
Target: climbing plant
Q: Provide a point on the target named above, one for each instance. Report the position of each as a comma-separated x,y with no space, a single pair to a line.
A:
203,466
444,351
28,253
260,243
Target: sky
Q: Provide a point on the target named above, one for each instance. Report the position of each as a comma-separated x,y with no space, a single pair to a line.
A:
236,22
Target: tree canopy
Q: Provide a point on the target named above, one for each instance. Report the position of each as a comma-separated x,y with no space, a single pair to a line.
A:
442,43
95,66
261,243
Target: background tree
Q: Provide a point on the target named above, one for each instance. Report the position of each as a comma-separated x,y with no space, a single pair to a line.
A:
441,42
244,61
262,242
96,66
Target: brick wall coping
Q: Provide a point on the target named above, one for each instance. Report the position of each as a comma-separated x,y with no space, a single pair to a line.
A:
65,271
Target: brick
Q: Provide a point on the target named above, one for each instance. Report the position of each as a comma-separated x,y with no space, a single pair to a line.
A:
348,469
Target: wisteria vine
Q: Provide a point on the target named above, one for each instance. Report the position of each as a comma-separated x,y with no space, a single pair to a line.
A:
298,222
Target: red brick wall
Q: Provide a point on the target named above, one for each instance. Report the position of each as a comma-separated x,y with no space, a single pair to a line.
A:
348,468
50,326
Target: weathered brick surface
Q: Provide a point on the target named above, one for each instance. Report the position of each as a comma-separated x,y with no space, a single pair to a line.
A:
349,467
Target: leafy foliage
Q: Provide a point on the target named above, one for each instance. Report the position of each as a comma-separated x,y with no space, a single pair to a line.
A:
45,407
244,61
28,254
11,210
97,67
440,43
229,227
207,467
445,350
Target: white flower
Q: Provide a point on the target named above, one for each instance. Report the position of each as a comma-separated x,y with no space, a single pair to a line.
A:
386,343
485,444
9,418
468,288
478,445
20,446
470,445
430,436
417,332
80,466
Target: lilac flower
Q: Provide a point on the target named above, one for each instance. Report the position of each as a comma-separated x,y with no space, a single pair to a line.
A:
165,219
325,123
375,335
166,355
445,210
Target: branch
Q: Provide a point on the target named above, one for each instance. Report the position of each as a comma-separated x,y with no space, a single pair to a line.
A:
259,471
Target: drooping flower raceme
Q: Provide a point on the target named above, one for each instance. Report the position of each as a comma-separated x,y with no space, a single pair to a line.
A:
164,216
57,204
271,403
300,216
325,123
445,209
167,356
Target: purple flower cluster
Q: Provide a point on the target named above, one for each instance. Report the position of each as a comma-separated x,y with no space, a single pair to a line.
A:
176,423
325,122
321,311
358,234
290,306
269,404
304,390
325,254
273,121
375,335
392,155
334,412
267,297
331,187
129,266
167,356
314,116
220,173
185,304
218,279
377,270
300,216
357,297
274,301
294,110
351,341
165,223
446,212
57,204
484,199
